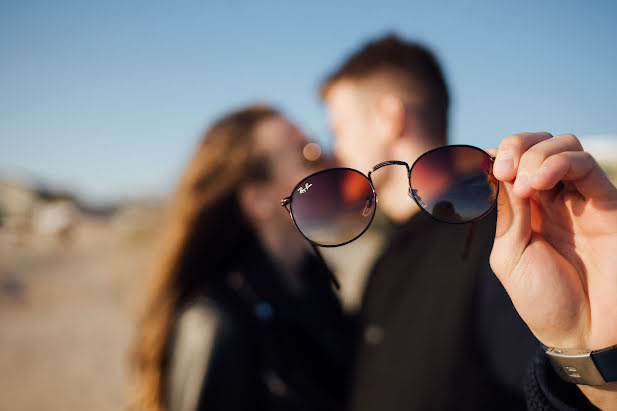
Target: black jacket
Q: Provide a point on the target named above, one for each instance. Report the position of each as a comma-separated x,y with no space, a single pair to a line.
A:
246,343
438,332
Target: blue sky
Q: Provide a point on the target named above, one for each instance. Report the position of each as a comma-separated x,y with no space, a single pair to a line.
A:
109,98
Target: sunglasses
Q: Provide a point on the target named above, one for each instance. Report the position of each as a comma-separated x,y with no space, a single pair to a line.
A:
453,184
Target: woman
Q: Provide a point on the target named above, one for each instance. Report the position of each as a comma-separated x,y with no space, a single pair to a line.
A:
239,315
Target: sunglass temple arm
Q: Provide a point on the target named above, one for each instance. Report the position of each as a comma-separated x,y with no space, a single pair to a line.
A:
337,285
285,202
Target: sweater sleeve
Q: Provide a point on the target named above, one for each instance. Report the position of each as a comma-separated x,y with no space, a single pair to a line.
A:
546,391
210,362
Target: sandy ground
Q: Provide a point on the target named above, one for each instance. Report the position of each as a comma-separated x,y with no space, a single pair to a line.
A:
67,318
67,314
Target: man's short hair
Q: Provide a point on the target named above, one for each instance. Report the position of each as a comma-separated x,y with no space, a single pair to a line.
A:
414,62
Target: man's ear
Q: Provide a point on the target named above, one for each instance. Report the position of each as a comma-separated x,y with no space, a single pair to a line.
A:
254,203
391,116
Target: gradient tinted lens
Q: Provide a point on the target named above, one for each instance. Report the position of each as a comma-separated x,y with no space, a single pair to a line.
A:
454,184
334,206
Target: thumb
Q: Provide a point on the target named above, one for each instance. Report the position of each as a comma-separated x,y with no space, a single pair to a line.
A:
513,231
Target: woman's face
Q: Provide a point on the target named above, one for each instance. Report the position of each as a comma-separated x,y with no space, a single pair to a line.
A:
281,143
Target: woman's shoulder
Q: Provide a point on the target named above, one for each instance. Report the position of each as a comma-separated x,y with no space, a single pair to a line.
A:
230,307
206,335
208,314
200,315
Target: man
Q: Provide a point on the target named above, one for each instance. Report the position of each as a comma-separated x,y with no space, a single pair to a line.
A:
437,330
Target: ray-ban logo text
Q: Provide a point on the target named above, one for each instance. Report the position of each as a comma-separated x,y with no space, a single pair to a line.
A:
304,189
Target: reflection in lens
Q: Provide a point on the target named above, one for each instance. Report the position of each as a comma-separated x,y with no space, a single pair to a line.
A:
334,206
454,184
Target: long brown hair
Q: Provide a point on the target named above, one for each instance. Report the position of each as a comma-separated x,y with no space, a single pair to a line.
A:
204,224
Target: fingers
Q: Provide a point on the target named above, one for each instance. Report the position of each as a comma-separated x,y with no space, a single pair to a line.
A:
538,162
513,231
532,162
518,157
577,167
510,151
533,158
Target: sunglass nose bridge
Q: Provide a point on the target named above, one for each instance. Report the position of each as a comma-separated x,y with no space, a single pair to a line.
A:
387,163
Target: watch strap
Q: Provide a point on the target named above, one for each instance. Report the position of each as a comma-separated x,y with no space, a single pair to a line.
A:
606,362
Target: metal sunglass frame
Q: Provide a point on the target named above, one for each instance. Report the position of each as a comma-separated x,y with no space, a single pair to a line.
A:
287,201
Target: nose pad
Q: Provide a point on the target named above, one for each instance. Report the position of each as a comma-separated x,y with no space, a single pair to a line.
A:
367,207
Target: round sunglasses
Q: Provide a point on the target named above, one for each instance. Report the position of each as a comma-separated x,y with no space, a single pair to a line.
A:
453,184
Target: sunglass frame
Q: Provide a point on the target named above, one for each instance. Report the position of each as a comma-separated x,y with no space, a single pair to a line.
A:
287,201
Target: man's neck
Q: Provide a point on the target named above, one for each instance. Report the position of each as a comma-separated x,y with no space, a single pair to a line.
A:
394,193
394,199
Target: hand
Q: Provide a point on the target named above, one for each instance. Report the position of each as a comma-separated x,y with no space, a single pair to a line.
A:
555,247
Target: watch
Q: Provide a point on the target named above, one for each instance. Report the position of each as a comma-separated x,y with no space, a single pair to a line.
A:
598,367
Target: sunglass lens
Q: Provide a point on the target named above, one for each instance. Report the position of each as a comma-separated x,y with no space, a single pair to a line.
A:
454,184
333,207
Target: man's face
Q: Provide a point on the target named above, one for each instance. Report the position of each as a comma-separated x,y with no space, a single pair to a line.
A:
352,119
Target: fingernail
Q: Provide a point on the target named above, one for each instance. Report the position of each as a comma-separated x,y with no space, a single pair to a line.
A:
504,164
521,182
